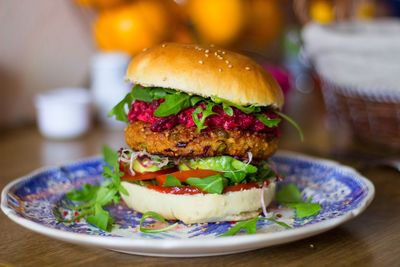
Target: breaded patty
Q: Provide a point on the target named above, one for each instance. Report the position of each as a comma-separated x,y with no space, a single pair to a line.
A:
187,142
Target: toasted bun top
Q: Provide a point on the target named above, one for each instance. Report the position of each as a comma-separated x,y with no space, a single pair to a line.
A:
205,71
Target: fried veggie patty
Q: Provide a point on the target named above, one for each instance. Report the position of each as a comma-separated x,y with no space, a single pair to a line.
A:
187,142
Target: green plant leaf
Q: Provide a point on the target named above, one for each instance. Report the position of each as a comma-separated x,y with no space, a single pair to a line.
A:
235,177
86,193
291,197
119,110
101,218
244,109
221,164
267,121
142,94
171,181
271,219
155,216
205,113
172,105
304,210
110,156
289,193
249,226
213,184
227,109
196,99
293,123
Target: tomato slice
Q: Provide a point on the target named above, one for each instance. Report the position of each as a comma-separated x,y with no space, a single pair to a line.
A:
183,175
240,187
176,190
146,176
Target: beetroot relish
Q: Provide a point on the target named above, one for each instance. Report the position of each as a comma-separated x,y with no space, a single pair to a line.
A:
142,111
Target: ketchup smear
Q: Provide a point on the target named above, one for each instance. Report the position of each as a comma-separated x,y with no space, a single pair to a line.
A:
142,111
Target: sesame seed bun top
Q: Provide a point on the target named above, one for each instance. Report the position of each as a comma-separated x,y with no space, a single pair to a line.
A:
206,71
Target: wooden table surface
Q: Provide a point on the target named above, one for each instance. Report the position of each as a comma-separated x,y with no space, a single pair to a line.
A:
372,239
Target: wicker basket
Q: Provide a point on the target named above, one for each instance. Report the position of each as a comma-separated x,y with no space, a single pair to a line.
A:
372,118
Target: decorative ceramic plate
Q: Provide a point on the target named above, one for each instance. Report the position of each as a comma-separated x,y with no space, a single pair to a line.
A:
37,200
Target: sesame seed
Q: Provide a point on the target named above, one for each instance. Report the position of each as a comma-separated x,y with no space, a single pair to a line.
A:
144,49
219,57
220,70
311,245
227,61
207,51
212,45
223,52
201,62
206,55
230,66
247,68
163,45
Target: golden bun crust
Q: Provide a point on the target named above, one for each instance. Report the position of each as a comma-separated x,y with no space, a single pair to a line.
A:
206,71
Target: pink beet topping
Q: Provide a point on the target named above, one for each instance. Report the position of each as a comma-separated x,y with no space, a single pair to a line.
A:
142,111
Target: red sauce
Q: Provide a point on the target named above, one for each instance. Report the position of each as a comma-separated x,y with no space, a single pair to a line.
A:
191,190
176,190
142,111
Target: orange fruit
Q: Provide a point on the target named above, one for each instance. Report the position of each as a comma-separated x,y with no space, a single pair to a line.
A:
182,34
131,28
100,4
322,11
265,22
218,21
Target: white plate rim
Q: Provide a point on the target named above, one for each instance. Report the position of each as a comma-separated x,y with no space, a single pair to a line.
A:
229,243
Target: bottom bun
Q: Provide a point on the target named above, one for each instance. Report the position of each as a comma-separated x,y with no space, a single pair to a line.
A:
199,208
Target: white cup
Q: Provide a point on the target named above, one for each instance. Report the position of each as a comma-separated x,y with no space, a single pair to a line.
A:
64,113
108,84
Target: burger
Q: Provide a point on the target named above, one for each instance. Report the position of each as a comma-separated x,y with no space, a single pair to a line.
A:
202,124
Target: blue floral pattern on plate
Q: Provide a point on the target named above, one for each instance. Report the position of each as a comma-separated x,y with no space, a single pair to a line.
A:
40,198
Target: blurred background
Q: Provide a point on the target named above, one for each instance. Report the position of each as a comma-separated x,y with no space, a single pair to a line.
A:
338,60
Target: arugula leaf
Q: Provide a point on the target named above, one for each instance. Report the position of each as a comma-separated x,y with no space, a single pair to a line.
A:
119,110
157,217
305,209
290,196
235,177
171,181
267,121
293,123
245,109
212,184
227,109
86,193
101,218
142,94
172,105
94,199
157,93
196,99
200,123
250,226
